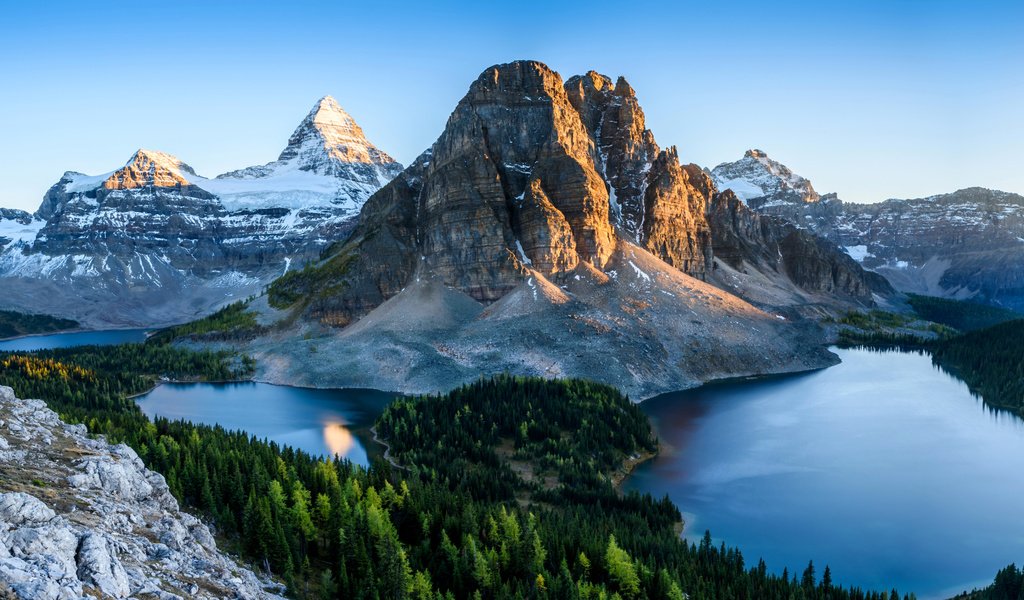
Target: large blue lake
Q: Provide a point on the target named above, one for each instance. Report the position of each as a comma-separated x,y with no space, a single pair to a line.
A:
882,467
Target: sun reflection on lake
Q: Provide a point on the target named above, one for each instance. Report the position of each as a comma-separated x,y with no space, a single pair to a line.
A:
338,439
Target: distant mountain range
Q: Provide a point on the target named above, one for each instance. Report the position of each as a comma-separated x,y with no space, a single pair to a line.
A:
535,182
154,243
968,244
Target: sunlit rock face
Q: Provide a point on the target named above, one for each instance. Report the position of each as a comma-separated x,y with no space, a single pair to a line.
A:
530,174
148,168
153,242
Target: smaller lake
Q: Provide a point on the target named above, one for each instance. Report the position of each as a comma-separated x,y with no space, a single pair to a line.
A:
320,422
107,337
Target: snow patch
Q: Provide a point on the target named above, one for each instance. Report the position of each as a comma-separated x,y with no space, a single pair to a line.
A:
522,255
858,253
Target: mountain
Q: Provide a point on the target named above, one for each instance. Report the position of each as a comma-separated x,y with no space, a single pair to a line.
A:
80,517
758,181
154,242
968,244
544,232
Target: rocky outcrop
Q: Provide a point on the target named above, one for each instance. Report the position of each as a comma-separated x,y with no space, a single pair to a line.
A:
545,233
530,175
967,244
82,518
744,240
655,201
675,226
155,243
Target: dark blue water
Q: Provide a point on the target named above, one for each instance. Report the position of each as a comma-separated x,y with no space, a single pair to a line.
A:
882,467
67,340
321,422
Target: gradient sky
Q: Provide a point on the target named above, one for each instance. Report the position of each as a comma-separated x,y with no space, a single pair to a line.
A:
868,99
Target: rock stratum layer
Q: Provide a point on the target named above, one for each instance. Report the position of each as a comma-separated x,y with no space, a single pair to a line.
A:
968,244
545,232
154,243
80,518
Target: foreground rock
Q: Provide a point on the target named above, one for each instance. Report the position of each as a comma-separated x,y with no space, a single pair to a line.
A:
82,518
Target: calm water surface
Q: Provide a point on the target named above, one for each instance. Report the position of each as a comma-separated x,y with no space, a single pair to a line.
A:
322,422
883,467
67,340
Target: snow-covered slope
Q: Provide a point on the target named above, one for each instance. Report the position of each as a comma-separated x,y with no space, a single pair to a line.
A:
155,242
966,244
327,158
758,180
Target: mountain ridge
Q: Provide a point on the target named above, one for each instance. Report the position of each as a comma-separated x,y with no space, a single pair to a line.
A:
967,244
155,243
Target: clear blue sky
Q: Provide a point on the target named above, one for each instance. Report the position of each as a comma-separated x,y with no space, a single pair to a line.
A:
870,99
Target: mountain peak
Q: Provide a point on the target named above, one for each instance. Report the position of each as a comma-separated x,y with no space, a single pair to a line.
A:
758,180
329,141
327,114
150,168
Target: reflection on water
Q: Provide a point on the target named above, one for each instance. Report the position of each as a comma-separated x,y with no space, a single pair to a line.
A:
338,439
883,467
321,422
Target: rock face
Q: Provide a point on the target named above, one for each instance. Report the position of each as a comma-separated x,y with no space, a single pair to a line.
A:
744,239
967,244
153,242
82,518
530,175
546,233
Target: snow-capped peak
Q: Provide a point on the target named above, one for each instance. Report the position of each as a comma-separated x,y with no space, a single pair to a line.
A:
329,140
329,115
150,168
757,179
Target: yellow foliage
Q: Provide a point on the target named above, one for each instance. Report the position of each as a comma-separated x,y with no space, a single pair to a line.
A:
46,368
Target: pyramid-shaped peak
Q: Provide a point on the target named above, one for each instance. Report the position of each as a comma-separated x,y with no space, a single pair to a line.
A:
758,179
328,139
154,159
328,113
150,168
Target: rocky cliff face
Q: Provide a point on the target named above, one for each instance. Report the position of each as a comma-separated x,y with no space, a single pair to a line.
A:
82,518
745,240
546,233
530,175
967,244
154,242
